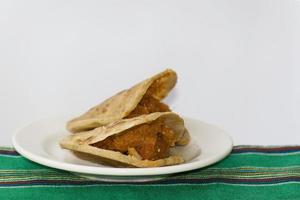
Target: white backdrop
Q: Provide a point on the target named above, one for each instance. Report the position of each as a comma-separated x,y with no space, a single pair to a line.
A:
237,61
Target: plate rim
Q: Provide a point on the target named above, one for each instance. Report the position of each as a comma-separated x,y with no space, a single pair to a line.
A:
110,171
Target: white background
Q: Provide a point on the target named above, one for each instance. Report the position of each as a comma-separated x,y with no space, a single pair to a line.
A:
237,61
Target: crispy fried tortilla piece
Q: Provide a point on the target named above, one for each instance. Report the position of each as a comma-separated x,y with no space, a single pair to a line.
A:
143,98
143,141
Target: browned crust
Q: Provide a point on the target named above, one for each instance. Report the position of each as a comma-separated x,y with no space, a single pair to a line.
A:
81,142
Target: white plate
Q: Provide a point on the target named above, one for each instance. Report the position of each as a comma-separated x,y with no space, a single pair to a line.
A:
39,142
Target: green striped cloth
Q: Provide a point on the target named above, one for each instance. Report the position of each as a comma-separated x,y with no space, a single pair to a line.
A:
250,172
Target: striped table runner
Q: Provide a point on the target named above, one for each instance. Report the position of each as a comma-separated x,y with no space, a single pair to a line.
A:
250,172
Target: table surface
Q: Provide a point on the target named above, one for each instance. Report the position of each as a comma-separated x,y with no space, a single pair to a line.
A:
249,172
